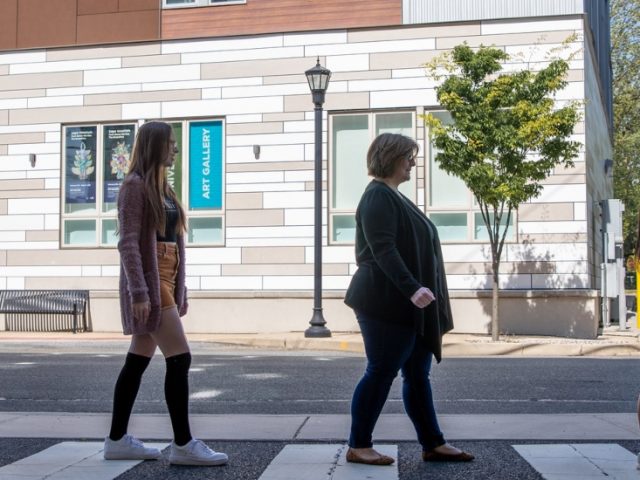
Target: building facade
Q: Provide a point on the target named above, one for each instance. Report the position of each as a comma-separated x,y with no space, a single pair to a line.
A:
77,78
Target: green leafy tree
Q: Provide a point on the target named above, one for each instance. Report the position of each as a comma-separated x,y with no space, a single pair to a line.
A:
507,135
625,60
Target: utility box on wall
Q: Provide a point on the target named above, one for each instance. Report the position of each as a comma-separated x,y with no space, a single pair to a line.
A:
613,263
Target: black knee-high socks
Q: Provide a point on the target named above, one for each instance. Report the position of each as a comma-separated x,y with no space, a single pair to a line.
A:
176,393
125,393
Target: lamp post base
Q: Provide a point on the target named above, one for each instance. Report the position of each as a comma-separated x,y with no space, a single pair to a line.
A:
317,328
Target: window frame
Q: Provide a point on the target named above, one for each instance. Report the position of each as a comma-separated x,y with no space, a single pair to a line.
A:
372,126
202,3
471,208
185,177
98,216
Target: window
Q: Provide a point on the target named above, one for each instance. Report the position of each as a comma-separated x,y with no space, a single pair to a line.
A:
204,202
451,205
351,135
91,181
97,158
199,3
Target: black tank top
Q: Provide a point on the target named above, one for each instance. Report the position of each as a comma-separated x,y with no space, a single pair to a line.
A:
171,221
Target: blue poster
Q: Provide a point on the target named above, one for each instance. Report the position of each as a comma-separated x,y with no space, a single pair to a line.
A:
80,158
205,165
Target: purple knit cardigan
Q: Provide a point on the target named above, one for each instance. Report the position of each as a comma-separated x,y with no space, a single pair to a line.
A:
139,275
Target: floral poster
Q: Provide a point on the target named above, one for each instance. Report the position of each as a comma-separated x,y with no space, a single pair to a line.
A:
174,174
118,144
80,161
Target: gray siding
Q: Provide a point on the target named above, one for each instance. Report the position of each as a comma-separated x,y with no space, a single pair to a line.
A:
436,11
598,19
596,14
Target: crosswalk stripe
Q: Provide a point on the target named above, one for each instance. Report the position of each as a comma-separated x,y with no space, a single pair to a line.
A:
580,461
69,461
326,462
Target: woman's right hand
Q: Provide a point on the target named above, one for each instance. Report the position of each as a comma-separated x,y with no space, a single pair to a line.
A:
422,297
141,310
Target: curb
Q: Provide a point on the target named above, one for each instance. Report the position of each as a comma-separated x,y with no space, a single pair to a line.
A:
461,349
454,345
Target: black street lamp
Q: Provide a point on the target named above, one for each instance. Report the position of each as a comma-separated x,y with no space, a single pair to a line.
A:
318,78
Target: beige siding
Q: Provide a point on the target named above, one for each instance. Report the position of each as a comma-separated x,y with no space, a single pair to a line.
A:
532,212
42,236
264,68
241,201
251,128
41,80
268,255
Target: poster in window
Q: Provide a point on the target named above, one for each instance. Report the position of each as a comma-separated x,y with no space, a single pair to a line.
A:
80,161
118,144
205,165
174,173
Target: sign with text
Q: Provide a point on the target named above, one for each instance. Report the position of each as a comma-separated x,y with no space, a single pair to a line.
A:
174,173
80,164
205,165
118,144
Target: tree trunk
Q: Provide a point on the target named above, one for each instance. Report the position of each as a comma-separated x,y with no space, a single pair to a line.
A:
495,323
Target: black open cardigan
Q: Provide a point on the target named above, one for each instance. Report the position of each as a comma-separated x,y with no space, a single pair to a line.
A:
396,257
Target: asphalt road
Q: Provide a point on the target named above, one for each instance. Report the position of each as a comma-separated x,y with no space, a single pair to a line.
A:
225,380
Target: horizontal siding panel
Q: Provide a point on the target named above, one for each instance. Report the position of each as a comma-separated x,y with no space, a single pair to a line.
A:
268,16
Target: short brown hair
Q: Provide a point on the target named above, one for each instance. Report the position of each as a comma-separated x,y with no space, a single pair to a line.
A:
386,151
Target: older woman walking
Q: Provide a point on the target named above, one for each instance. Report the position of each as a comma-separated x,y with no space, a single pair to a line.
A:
399,295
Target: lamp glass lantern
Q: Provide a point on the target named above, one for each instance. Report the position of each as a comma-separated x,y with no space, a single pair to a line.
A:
318,78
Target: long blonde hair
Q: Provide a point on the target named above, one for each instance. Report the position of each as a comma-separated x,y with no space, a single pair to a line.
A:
150,152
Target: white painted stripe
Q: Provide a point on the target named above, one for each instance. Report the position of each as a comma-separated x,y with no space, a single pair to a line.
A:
70,461
205,394
261,376
326,462
578,461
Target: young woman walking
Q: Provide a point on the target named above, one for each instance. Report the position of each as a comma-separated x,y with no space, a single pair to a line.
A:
153,297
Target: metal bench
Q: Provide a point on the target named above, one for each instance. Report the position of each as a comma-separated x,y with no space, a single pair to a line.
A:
44,310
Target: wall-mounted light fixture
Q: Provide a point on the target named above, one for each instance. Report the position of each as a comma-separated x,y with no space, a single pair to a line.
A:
256,151
32,159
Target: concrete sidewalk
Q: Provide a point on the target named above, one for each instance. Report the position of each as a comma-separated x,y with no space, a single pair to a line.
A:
392,427
612,342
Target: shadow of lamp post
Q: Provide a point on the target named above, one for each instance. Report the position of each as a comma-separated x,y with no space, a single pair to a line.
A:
318,78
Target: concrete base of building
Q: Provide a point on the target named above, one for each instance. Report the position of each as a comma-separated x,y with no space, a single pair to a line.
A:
561,313
558,313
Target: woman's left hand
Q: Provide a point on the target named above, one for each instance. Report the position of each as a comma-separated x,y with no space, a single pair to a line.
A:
423,297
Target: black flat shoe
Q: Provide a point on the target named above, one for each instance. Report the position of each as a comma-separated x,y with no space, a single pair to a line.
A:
353,457
434,456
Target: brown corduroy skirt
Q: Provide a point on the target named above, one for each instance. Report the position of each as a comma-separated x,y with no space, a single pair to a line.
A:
168,261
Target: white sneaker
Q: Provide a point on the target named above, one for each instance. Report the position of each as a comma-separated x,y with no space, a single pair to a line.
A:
129,448
195,453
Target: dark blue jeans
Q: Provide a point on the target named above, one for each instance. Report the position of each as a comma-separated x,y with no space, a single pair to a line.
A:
391,347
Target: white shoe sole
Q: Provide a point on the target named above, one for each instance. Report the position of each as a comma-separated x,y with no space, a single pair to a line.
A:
190,461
